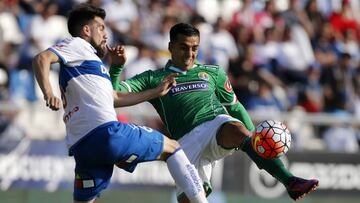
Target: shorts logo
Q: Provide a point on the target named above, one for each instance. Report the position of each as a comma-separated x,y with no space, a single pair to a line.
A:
125,164
83,183
228,86
203,75
131,158
189,87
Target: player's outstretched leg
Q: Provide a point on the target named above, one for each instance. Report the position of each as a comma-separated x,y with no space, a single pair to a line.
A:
297,188
183,172
235,135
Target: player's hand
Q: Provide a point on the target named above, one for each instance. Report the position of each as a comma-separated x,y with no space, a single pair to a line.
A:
166,84
53,102
117,54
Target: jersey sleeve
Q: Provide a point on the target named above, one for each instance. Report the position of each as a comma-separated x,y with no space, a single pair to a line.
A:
229,100
137,83
72,51
115,72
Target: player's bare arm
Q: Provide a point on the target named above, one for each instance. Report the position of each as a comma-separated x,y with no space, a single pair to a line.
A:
41,66
128,98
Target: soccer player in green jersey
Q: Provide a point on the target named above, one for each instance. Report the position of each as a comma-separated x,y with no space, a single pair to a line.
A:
203,113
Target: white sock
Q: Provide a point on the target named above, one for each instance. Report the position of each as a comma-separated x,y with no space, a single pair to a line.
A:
186,176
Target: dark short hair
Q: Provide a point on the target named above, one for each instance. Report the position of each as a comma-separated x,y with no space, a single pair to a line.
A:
183,29
81,15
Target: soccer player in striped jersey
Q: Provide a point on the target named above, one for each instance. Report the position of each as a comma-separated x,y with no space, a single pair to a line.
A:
203,113
94,136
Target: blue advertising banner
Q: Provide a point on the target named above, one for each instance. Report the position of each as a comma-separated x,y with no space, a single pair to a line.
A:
45,164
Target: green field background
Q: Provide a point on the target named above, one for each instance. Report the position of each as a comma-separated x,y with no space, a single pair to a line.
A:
152,196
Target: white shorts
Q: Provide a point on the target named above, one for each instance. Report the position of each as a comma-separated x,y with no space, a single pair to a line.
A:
201,148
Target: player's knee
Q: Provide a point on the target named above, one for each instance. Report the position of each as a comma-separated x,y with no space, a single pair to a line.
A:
232,135
170,146
173,146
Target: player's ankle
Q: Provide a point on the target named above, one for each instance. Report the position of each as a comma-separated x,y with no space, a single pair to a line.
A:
246,144
199,198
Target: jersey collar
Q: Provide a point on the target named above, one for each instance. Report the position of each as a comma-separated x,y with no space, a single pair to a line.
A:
88,44
170,66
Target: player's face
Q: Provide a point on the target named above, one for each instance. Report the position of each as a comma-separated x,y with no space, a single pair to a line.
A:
98,36
184,51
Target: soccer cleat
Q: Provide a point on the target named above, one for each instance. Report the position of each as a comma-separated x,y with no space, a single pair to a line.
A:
298,187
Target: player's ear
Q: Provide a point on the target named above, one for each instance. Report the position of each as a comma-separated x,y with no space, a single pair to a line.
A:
86,30
170,46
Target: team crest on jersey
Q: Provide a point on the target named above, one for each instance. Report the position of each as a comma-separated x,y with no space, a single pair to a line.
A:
203,75
228,86
189,87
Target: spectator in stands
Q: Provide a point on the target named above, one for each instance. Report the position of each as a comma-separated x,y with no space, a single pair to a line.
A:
315,17
158,41
37,38
311,97
150,14
4,82
268,50
349,44
356,98
10,40
258,63
243,74
123,20
222,45
10,32
243,37
338,85
343,20
245,16
268,17
265,100
45,29
324,47
292,65
97,3
295,15
144,61
178,9
209,9
296,19
205,28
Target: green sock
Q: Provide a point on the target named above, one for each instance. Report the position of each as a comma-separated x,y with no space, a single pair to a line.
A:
273,166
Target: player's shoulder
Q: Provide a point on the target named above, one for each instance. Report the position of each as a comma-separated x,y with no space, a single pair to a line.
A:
72,43
156,73
79,43
209,67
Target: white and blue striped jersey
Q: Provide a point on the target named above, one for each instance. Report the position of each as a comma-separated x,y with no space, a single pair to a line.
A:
86,89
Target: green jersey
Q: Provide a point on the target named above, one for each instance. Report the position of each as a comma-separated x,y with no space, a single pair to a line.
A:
201,94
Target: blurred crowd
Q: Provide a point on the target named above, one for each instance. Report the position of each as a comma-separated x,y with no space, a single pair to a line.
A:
280,55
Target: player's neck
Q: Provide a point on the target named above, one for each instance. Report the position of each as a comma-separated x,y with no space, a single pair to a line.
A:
180,70
183,68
